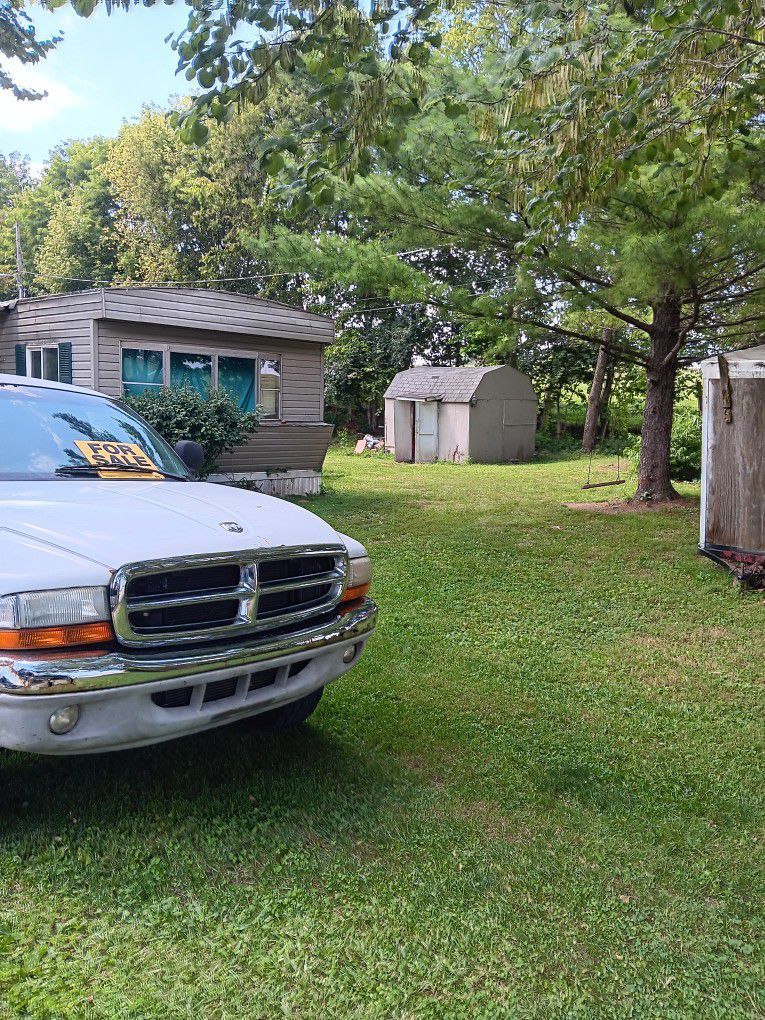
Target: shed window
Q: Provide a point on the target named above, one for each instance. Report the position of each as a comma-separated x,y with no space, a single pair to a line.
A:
193,370
238,377
142,370
42,362
270,386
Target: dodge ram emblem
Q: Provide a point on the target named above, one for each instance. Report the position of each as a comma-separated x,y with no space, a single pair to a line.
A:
232,526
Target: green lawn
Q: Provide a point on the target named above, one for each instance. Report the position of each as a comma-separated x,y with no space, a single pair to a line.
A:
539,795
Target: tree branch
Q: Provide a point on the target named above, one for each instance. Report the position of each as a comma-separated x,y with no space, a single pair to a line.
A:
617,349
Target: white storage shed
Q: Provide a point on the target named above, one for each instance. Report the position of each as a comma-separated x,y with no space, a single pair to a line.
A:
481,414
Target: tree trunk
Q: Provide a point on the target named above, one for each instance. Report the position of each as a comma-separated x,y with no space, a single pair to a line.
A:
654,482
596,392
544,417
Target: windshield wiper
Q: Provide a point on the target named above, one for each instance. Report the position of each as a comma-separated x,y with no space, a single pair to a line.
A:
92,470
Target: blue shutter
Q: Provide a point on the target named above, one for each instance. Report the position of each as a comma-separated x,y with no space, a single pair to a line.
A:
65,363
21,359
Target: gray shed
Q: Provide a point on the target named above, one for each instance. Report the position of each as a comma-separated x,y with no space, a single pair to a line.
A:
482,414
133,339
733,462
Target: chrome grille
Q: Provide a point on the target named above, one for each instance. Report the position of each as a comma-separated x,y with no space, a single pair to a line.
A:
164,602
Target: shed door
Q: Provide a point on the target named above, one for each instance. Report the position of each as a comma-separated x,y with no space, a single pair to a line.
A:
426,430
735,468
403,430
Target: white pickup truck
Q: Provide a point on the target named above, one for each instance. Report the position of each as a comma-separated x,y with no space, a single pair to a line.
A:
137,604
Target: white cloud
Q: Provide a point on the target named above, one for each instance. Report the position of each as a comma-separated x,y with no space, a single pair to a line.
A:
23,116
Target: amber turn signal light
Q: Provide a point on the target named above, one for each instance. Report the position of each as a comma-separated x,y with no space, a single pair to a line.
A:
355,593
56,637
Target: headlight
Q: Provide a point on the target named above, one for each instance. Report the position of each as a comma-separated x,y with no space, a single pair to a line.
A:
55,619
359,578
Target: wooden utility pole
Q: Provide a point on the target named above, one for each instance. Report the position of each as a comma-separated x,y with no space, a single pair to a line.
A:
596,392
19,264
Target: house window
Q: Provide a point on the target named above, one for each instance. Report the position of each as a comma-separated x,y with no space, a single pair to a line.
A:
270,387
238,377
251,380
192,370
42,362
142,370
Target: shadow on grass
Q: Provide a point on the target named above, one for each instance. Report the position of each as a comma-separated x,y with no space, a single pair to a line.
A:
304,774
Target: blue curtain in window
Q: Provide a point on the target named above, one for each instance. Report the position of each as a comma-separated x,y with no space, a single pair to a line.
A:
141,370
237,377
193,370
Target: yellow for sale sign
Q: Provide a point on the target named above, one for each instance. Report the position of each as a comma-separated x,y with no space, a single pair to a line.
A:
112,456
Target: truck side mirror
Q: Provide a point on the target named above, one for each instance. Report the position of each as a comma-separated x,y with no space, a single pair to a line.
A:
191,453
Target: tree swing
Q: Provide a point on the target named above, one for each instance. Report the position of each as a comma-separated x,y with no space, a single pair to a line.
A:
602,485
618,480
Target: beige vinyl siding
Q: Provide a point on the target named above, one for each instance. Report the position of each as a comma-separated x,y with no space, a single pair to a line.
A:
57,318
8,340
216,310
301,362
98,323
280,447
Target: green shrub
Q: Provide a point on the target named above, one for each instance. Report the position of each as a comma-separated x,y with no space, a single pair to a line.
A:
214,420
685,447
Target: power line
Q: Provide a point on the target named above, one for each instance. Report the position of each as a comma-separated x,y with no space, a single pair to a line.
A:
179,283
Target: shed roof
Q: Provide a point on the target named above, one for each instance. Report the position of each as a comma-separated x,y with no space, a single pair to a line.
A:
743,361
450,385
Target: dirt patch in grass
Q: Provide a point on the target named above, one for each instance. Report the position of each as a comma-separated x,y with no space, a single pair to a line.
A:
626,506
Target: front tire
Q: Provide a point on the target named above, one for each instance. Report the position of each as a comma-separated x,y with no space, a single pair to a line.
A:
286,716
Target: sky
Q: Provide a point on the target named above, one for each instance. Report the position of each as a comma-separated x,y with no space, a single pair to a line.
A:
103,72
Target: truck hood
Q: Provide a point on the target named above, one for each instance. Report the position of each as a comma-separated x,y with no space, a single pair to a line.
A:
78,532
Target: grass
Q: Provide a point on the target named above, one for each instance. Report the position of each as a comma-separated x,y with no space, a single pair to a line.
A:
539,795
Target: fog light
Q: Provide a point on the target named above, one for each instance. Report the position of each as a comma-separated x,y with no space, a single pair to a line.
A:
64,719
350,654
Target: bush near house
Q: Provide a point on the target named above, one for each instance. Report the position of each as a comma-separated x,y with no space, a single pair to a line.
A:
214,420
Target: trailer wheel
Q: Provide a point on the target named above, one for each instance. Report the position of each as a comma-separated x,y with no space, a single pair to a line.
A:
288,715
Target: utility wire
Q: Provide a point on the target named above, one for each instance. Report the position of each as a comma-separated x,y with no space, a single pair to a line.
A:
222,279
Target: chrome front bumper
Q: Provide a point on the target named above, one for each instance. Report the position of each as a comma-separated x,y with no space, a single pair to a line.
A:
116,692
86,671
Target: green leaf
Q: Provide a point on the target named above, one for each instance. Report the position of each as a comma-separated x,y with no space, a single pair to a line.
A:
272,163
455,110
325,197
336,100
84,7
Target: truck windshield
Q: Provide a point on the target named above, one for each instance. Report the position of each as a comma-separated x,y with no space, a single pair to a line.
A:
51,433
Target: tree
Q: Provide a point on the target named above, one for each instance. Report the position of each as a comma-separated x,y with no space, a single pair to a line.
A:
597,395
81,244
676,273
360,365
182,209
580,109
14,179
